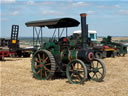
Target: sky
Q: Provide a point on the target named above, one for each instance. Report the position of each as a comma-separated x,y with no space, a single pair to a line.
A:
107,17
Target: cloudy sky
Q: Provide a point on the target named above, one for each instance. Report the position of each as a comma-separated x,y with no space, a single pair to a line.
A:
108,17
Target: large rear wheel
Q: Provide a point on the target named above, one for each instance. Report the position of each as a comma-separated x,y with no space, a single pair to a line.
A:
43,65
76,72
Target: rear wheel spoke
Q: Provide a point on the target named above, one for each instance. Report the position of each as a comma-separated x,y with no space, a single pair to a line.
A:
43,56
45,74
45,60
39,57
48,64
37,61
38,71
47,69
36,66
41,73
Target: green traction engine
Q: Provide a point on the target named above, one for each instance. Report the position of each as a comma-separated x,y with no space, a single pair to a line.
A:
119,47
59,56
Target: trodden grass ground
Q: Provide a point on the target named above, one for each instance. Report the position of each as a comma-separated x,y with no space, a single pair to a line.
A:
17,80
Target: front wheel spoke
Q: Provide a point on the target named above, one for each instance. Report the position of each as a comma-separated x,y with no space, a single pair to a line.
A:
96,77
92,65
93,75
77,65
97,64
100,68
100,73
47,69
78,77
71,74
78,74
73,66
80,71
92,69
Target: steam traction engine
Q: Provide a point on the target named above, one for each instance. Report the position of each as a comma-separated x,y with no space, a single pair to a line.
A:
58,55
121,49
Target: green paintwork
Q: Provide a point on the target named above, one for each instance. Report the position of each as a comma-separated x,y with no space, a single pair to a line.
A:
65,55
52,47
73,54
72,43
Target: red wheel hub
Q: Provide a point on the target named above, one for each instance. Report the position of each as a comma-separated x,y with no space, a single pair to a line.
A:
41,65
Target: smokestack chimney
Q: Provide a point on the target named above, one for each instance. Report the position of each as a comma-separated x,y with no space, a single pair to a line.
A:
84,30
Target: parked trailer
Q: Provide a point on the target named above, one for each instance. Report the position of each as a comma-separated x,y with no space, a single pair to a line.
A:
11,46
4,52
24,52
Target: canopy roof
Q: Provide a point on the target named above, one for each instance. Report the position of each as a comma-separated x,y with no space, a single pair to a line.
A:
54,23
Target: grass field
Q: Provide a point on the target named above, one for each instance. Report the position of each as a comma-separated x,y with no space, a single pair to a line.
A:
17,80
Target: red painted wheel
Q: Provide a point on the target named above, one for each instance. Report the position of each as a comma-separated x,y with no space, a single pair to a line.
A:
43,65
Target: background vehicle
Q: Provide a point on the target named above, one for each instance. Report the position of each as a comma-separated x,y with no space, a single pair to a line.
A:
120,47
11,47
100,50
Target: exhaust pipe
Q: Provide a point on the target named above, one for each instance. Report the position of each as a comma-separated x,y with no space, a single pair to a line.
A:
84,30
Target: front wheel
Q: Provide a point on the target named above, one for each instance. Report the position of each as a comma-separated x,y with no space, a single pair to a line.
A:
97,70
76,72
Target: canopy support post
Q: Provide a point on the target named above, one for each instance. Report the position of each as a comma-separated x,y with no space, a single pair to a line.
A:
33,36
66,32
58,33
